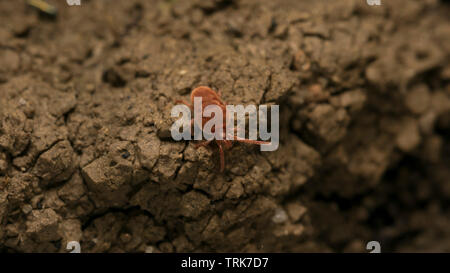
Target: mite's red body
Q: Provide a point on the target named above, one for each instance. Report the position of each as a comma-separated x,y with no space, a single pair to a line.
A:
210,97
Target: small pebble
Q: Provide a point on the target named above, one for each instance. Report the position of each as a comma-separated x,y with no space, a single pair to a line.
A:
125,237
27,208
280,216
149,249
296,211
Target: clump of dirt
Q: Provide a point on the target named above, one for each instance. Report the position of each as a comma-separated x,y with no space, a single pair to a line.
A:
86,153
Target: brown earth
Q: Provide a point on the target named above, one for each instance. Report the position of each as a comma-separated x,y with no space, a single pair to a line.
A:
86,153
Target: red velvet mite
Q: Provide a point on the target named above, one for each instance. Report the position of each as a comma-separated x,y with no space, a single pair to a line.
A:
210,97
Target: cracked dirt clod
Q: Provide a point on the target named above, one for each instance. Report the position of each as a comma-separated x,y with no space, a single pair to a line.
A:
72,190
57,164
148,151
43,225
13,136
70,230
109,180
20,188
194,204
327,123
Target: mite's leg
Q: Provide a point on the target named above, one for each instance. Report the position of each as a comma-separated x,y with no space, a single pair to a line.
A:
258,142
236,138
227,144
222,157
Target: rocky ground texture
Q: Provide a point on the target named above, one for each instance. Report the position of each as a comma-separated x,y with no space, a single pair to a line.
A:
86,153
